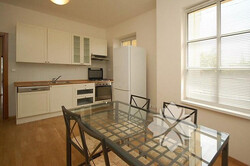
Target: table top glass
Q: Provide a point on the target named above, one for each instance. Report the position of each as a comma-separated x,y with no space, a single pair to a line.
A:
143,137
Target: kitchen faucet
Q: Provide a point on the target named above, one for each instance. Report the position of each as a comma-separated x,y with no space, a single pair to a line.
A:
55,79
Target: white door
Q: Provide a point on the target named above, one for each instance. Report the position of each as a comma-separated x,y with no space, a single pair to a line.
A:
121,68
59,47
31,45
138,71
33,103
121,95
99,46
61,95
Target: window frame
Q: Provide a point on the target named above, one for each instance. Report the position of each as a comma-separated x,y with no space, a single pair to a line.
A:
128,39
240,112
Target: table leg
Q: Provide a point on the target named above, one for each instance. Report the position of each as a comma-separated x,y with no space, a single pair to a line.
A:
225,156
68,152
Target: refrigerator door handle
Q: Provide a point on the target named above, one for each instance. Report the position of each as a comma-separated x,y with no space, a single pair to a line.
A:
121,89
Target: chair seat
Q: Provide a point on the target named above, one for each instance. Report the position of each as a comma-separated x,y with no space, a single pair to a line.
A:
91,142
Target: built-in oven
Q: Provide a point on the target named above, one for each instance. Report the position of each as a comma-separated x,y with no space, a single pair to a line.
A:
103,91
103,87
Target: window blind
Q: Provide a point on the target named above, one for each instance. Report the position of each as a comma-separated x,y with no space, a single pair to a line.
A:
218,56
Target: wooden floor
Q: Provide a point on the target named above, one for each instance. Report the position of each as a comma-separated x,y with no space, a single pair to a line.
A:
40,143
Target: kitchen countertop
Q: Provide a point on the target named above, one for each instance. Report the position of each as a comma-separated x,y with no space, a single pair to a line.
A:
60,82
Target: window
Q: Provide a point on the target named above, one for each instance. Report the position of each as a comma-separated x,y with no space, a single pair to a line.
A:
218,55
129,41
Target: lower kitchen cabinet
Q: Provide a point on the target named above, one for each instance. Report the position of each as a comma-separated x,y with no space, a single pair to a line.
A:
84,100
61,95
84,94
37,105
33,103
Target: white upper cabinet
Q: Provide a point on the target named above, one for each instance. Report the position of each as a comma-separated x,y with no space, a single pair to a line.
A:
98,46
81,50
31,43
36,44
59,47
86,51
77,49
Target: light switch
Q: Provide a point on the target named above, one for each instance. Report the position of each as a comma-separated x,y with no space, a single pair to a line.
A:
13,70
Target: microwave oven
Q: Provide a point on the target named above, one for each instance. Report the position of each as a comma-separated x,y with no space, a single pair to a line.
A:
95,74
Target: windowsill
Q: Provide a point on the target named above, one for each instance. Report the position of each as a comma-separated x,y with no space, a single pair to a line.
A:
217,109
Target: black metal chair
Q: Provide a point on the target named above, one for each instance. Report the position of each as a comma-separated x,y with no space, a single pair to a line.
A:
88,156
77,141
139,101
188,111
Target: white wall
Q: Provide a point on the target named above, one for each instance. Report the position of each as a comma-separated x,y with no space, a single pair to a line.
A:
9,16
144,26
170,27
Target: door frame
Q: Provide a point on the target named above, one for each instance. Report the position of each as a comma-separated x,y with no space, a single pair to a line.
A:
5,75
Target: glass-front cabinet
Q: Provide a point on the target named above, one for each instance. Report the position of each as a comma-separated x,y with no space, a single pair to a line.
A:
86,52
77,49
81,50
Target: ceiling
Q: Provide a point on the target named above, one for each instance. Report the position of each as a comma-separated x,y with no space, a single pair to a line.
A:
100,13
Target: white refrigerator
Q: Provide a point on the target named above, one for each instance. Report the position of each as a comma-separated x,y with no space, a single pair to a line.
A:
129,73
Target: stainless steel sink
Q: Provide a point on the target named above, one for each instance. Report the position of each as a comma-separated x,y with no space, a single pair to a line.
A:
61,82
48,83
37,83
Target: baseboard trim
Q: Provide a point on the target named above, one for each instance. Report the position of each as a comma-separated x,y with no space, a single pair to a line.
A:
239,163
38,117
11,117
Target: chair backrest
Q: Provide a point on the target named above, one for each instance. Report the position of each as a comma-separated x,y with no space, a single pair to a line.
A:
76,119
68,117
70,128
83,129
139,101
188,111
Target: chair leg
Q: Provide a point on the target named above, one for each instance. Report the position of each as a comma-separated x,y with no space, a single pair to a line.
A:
68,153
105,153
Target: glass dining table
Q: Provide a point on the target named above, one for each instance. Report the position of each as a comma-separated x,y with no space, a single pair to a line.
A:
142,137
